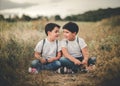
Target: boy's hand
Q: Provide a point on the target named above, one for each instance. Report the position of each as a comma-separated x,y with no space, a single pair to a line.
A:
84,61
51,59
43,60
77,62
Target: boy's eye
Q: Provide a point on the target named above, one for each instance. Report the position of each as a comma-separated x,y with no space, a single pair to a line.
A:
65,32
56,31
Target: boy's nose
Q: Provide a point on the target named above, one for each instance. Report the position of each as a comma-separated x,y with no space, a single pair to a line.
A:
58,33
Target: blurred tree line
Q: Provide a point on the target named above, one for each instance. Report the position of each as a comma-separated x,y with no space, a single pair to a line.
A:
95,15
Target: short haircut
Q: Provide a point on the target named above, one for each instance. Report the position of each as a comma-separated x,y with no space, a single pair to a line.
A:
50,27
72,27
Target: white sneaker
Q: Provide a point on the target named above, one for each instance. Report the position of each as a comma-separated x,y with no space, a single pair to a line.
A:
61,70
64,70
69,71
32,70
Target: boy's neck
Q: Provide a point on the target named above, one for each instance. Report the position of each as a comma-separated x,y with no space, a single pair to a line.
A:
50,39
72,39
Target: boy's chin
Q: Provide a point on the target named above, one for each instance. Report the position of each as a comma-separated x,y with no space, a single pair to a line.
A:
67,38
56,38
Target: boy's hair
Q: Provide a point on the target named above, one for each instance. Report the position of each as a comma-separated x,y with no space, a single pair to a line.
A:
50,27
72,27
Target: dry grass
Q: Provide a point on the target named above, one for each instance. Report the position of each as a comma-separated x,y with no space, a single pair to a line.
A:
17,42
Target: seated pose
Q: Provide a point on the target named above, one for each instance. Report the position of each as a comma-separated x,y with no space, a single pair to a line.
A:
74,49
47,51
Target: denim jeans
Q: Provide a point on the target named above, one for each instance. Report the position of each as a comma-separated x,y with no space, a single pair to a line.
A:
69,64
49,66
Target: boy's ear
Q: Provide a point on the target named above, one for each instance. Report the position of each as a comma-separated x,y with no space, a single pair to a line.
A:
74,33
48,32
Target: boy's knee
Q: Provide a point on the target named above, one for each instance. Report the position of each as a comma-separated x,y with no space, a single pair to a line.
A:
58,63
92,61
63,59
34,63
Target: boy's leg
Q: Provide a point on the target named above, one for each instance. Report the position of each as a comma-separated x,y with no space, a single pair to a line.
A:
67,63
36,64
52,66
92,61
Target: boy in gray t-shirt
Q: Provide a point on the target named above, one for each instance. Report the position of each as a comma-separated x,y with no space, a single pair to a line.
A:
75,52
47,51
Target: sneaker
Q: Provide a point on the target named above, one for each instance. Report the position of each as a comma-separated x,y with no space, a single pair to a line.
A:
60,70
32,70
84,70
57,71
65,70
69,71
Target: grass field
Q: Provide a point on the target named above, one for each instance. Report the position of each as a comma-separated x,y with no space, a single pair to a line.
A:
18,39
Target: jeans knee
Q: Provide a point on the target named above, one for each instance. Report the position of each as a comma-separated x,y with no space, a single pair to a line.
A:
92,60
62,59
53,66
35,63
58,63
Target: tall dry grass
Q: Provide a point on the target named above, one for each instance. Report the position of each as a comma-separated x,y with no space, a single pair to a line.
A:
17,42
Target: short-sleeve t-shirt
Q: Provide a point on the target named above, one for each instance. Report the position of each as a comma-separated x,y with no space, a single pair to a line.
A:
49,48
73,47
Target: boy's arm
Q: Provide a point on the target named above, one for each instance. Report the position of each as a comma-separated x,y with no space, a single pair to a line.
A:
85,55
38,56
59,54
71,58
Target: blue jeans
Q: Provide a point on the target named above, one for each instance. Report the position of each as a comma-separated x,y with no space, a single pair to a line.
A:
49,66
69,64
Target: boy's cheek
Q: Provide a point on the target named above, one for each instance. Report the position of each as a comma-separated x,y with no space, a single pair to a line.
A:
57,36
65,35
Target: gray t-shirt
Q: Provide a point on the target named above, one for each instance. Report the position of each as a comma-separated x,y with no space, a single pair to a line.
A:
49,48
73,47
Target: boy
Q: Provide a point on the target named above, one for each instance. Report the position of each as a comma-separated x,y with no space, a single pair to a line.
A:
47,51
74,49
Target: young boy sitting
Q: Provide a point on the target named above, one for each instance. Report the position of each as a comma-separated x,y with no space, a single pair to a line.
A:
74,48
47,51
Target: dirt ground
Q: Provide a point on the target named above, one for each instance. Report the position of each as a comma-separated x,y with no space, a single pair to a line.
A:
55,79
